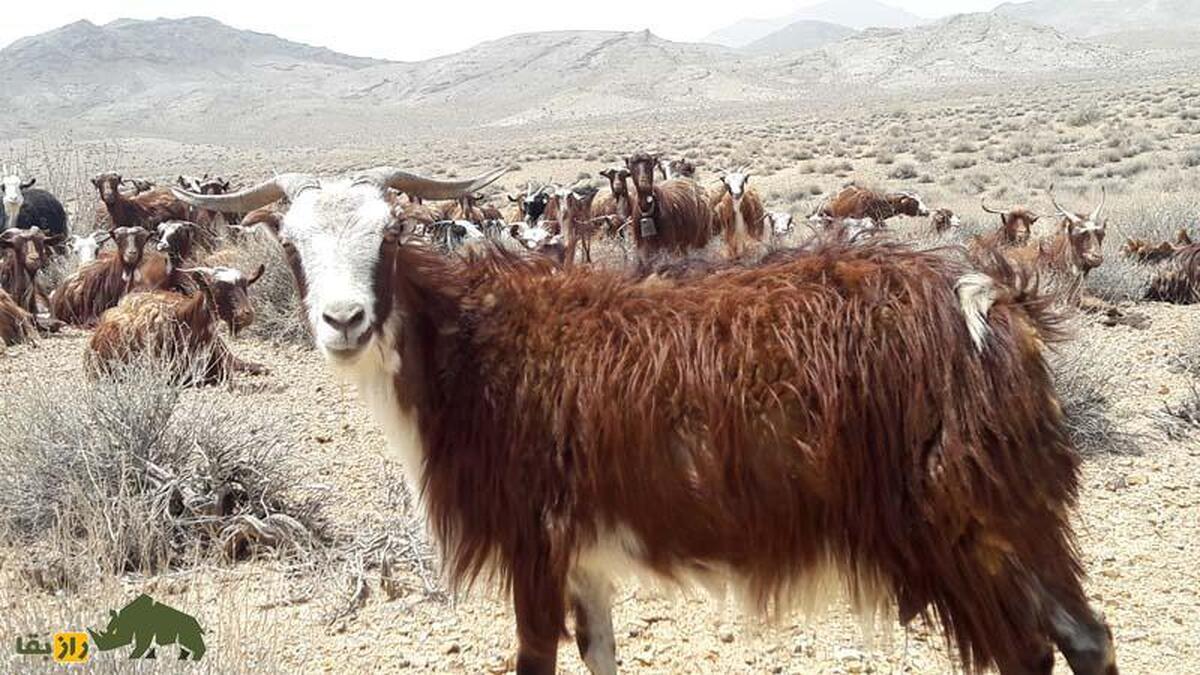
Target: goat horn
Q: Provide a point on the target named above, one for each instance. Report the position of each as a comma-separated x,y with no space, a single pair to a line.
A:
1103,198
1070,216
428,188
266,192
983,205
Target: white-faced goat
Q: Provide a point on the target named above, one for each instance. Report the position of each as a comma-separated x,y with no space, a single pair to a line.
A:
753,425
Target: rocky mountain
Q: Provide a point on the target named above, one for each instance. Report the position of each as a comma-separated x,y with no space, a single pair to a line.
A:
960,49
856,14
199,79
799,36
566,74
1087,18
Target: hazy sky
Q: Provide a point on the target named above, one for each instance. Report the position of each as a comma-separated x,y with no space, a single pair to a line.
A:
419,29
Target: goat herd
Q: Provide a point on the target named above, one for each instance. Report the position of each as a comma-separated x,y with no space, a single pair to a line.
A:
852,407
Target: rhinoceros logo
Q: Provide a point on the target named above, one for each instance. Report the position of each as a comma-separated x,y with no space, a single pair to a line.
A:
145,623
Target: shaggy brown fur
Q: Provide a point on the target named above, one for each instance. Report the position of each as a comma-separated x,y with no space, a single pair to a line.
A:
99,285
827,406
145,210
22,256
1179,279
859,202
671,216
725,218
1142,251
175,328
16,324
1016,227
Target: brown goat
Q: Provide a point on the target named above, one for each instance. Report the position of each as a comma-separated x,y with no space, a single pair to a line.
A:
22,256
672,216
176,328
100,284
1179,280
866,410
145,210
1141,251
16,324
615,205
1016,226
943,219
577,223
738,212
859,203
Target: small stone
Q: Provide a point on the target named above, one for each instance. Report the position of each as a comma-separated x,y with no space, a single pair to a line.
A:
453,649
726,636
1136,479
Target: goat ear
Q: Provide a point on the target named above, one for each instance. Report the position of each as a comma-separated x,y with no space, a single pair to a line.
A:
28,184
96,182
608,173
181,181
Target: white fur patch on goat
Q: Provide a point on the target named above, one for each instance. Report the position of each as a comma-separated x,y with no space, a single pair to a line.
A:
227,275
976,293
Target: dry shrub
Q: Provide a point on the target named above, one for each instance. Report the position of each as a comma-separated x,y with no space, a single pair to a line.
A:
1182,419
127,475
1081,379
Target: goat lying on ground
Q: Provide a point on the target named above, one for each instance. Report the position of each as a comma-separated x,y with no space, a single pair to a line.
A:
22,256
865,410
16,325
860,202
179,329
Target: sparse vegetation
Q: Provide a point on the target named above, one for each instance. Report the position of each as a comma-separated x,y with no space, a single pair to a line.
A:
126,475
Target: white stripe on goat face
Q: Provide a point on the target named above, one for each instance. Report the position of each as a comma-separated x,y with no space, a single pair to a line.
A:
736,182
13,200
337,229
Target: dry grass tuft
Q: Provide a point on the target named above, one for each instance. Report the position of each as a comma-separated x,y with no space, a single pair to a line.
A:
126,475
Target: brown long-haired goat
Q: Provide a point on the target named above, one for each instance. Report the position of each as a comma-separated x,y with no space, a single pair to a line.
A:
738,212
179,329
672,216
145,210
16,324
22,256
866,410
858,202
100,284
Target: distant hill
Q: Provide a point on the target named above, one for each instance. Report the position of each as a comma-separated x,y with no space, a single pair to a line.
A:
1087,18
961,49
199,79
799,36
856,14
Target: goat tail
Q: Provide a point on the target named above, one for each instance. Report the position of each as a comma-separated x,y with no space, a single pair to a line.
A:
1000,279
976,294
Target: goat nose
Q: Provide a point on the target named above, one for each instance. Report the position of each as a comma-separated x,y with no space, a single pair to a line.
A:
344,318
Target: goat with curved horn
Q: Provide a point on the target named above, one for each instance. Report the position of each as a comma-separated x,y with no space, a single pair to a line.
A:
983,205
1063,212
1103,198
289,185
